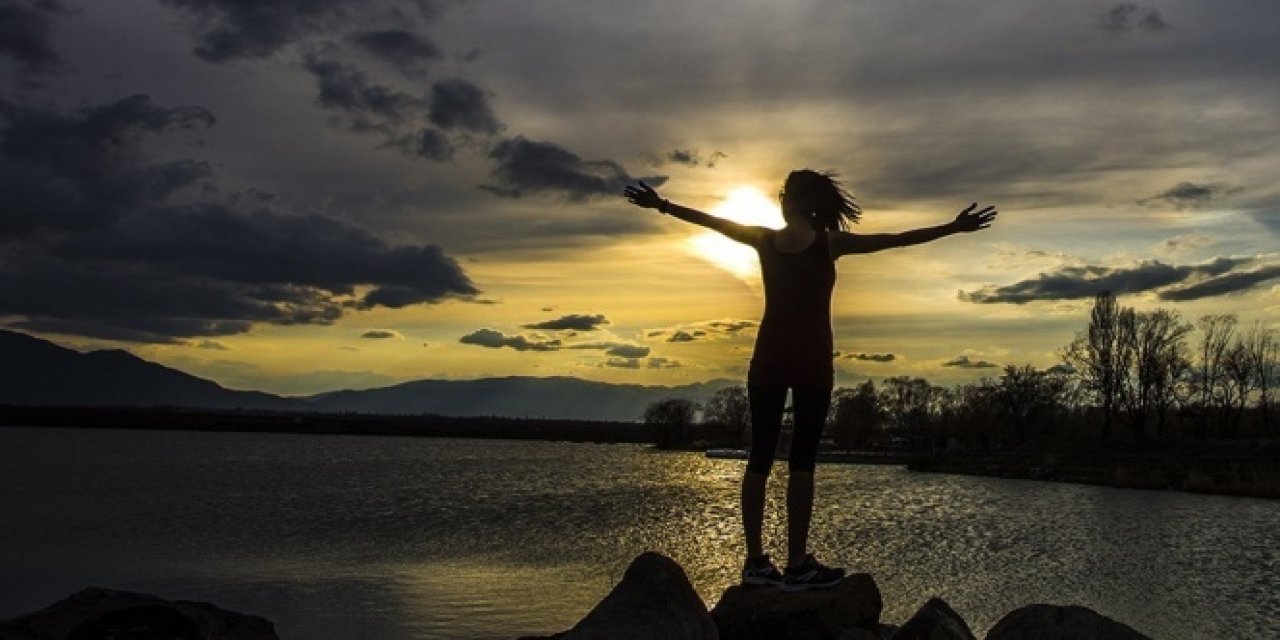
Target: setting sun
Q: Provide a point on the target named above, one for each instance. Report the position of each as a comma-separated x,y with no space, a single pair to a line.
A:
745,205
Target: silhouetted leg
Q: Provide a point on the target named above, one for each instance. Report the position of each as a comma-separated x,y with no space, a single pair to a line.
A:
799,514
753,494
766,421
811,404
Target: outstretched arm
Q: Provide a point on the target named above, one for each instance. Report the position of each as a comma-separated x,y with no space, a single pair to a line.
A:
968,220
644,196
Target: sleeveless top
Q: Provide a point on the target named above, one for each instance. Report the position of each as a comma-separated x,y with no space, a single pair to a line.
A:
794,343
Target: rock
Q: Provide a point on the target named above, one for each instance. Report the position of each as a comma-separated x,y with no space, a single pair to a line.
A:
858,633
653,600
764,613
1053,622
95,613
935,620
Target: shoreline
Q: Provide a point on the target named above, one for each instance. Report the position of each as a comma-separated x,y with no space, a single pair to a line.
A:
1228,468
1248,475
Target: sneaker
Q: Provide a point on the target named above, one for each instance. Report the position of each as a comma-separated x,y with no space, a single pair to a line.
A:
811,575
760,571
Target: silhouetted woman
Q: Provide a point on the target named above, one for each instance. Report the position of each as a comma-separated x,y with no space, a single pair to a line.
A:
794,346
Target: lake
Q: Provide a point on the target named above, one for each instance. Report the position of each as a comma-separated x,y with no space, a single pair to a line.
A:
380,537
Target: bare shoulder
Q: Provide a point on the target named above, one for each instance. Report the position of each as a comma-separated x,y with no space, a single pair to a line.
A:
840,243
752,235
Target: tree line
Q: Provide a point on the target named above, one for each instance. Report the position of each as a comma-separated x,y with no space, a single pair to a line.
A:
1129,374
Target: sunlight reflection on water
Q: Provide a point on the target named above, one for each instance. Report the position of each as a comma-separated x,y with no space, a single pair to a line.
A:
400,537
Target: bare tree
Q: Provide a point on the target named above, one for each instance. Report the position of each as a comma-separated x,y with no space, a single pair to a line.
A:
670,420
1157,354
1215,339
1237,382
729,412
1095,354
974,413
1262,350
1028,398
907,402
855,415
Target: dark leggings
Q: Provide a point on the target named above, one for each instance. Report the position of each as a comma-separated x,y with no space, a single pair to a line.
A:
767,403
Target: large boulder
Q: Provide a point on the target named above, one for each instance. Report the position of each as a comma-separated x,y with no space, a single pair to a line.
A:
1053,622
935,620
763,613
95,613
653,600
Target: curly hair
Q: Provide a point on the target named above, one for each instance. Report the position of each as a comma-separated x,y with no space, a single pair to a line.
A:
820,196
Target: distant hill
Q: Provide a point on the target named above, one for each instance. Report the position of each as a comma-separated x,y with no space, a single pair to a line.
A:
38,372
35,371
524,397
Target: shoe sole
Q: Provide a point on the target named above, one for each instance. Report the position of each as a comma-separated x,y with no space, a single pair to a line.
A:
761,582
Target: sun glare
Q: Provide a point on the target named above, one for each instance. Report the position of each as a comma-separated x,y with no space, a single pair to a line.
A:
744,205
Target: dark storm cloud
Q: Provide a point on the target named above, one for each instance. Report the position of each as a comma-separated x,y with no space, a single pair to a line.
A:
1129,18
26,34
623,363
1189,195
628,351
367,104
96,243
403,49
711,330
732,326
120,300
381,334
659,362
265,247
963,362
496,340
1229,283
571,322
871,357
526,166
683,156
429,144
228,29
458,104
1073,283
620,349
84,169
688,158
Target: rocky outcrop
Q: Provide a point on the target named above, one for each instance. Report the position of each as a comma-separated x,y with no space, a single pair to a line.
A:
1051,622
762,613
936,620
653,600
95,613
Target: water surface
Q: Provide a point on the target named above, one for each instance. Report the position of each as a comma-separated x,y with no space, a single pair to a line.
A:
378,537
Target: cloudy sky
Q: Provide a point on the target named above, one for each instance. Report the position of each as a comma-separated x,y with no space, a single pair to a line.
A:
305,195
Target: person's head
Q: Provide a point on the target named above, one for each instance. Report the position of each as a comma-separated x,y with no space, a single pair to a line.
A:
818,199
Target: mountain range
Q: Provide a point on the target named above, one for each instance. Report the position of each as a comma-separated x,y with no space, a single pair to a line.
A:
37,372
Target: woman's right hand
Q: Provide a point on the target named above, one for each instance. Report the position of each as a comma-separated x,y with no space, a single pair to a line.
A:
970,220
644,196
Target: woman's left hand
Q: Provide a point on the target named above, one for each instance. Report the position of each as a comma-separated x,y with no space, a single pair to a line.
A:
644,196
